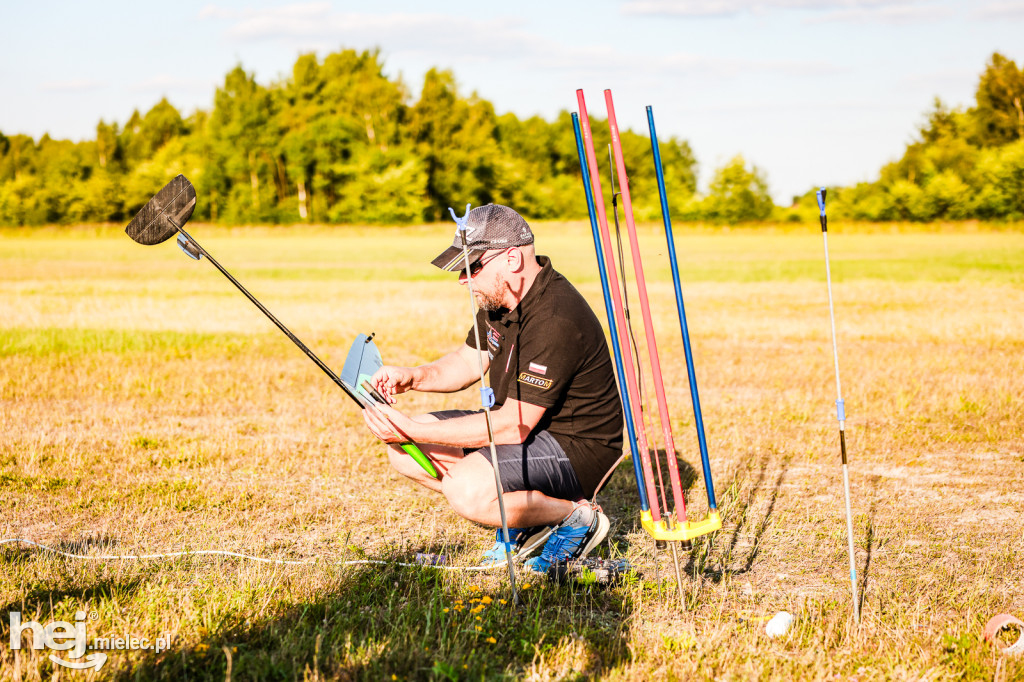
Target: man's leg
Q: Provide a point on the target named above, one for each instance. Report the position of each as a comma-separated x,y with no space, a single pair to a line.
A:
443,456
470,490
571,529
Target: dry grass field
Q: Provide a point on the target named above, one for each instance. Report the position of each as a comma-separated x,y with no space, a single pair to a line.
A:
147,407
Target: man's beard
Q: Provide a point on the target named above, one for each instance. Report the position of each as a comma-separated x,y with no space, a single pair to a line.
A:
489,302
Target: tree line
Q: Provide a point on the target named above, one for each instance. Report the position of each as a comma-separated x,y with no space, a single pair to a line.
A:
963,163
339,142
336,142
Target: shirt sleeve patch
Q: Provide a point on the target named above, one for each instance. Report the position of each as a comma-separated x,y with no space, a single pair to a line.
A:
532,380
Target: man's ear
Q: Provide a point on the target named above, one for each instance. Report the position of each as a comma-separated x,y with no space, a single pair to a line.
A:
516,260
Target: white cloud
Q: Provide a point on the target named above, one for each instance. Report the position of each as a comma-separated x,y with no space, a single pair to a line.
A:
78,85
883,11
934,81
901,14
1009,9
316,26
214,12
603,62
165,82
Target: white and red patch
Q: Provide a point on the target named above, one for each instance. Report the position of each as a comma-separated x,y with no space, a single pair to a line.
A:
538,369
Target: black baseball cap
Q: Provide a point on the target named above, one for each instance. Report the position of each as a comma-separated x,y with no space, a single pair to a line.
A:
490,227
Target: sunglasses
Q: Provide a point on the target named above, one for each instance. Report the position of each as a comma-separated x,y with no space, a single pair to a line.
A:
478,265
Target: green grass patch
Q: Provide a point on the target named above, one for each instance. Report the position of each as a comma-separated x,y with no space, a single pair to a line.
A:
18,482
180,495
74,341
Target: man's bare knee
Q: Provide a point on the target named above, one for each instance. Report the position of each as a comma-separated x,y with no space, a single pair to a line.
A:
402,462
468,497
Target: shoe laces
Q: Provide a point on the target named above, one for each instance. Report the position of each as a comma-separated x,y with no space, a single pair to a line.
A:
563,537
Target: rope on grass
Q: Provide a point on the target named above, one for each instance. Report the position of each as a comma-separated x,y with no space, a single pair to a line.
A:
427,561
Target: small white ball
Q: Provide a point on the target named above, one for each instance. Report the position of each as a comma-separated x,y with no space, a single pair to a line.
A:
779,624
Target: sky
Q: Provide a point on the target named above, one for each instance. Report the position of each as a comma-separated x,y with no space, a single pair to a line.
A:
812,92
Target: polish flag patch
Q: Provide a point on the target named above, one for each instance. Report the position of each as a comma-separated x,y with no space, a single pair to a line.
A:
538,369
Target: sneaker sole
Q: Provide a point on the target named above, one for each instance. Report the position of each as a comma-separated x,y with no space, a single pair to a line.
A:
599,535
532,544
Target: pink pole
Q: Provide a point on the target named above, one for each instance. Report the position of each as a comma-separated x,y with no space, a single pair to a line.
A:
632,389
645,307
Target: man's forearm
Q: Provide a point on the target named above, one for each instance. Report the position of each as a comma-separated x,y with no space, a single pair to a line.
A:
445,375
432,378
470,431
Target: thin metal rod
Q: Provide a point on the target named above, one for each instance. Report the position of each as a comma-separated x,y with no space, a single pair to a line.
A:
681,309
487,416
840,413
678,499
310,354
609,264
679,576
609,311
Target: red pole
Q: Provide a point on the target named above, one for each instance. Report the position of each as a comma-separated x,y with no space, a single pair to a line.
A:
632,389
645,307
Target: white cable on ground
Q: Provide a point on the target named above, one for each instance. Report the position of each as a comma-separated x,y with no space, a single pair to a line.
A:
212,552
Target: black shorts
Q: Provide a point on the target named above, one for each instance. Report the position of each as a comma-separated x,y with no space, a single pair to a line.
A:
537,464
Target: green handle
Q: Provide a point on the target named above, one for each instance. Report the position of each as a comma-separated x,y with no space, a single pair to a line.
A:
414,451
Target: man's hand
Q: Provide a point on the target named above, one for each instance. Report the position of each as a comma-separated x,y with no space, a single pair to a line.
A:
388,424
390,381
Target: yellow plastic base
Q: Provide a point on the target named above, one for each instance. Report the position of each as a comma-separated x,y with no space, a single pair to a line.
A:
682,531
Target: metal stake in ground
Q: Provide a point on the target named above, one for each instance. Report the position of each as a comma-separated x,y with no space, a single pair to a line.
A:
840,410
165,215
487,401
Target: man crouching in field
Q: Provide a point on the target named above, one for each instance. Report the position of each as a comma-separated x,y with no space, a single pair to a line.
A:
557,416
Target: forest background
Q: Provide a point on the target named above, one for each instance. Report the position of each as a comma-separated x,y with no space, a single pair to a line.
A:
340,142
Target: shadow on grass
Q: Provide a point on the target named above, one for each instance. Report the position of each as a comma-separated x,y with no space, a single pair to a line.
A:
869,540
620,488
380,620
739,500
367,621
39,601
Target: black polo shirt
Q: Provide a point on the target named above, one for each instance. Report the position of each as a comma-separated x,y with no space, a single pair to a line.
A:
551,351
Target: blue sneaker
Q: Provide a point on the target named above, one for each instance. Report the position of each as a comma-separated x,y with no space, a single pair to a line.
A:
524,541
572,539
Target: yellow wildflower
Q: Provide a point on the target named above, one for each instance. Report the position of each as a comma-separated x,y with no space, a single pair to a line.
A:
492,640
486,600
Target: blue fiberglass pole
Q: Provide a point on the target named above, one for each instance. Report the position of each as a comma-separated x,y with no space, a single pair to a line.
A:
690,373
634,450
